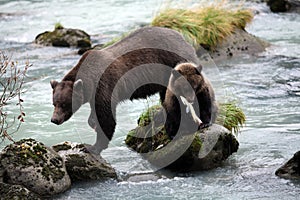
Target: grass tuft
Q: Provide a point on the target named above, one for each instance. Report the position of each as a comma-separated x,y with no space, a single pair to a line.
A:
206,26
231,117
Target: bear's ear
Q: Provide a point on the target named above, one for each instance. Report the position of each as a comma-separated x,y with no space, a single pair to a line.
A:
78,85
53,83
199,69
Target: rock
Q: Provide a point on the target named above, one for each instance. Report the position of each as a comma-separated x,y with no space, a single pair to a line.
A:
84,166
203,150
240,42
33,165
279,5
8,192
64,37
284,5
291,169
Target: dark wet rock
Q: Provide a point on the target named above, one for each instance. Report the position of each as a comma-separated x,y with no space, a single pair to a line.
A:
284,5
33,165
8,192
82,165
64,37
279,5
291,169
240,42
203,150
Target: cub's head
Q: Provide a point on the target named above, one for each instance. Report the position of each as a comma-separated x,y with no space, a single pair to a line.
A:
67,99
186,80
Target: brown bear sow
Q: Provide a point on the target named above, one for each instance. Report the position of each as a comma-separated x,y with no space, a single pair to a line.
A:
136,67
187,83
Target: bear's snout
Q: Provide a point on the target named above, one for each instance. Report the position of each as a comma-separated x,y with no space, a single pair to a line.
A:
55,121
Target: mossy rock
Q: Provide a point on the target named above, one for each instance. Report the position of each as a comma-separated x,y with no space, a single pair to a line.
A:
33,165
205,149
64,37
81,165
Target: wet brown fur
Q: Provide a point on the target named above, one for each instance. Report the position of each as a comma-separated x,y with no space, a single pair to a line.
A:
97,82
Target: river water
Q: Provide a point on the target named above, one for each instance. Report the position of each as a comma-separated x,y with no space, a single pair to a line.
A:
267,88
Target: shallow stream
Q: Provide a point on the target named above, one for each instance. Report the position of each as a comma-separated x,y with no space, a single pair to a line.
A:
267,88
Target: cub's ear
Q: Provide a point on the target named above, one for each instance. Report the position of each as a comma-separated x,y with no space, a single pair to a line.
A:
176,73
78,85
53,83
199,69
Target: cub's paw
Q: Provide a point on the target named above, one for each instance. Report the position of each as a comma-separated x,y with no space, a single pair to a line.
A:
203,126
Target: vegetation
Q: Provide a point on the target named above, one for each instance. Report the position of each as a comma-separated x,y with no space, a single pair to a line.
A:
147,116
58,26
11,85
231,117
206,26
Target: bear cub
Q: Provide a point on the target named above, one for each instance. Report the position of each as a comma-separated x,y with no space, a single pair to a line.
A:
189,95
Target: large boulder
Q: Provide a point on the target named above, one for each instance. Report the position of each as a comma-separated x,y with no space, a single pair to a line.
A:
33,165
203,150
291,169
64,37
82,165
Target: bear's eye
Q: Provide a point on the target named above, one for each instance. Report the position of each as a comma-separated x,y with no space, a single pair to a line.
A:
63,105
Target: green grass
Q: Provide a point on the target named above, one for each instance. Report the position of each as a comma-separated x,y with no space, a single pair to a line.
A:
231,117
206,26
58,25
